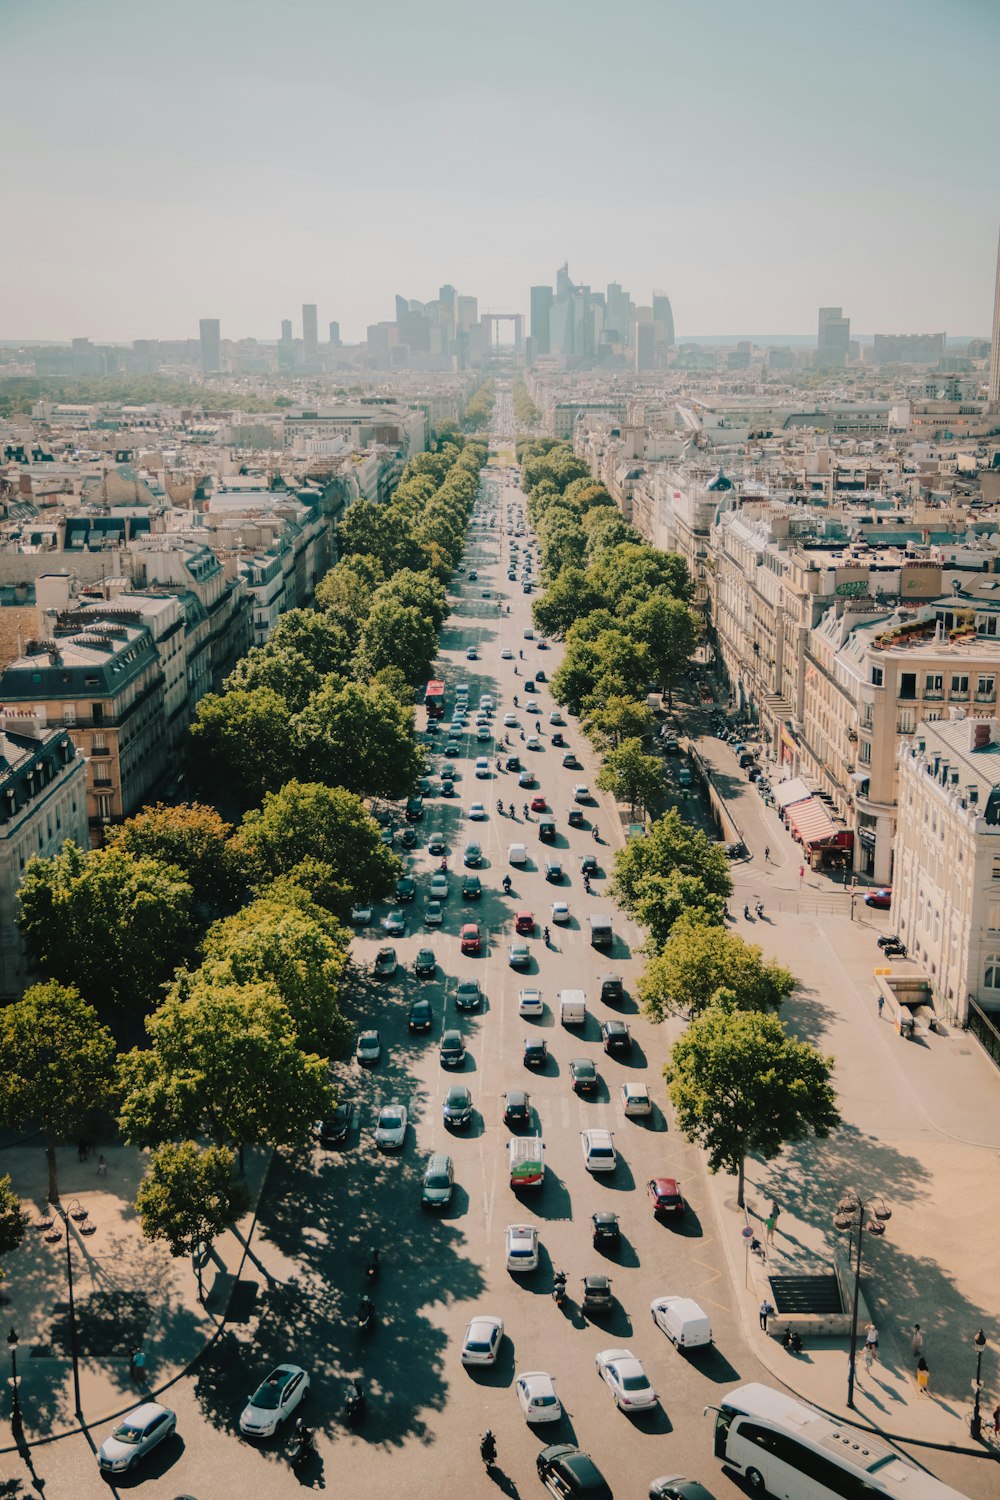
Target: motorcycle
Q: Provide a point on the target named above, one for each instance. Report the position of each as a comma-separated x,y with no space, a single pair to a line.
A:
488,1448
371,1269
305,1444
559,1288
366,1315
506,885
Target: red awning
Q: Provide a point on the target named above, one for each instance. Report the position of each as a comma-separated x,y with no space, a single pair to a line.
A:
811,822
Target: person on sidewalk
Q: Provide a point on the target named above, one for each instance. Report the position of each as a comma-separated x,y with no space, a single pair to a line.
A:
767,853
881,1002
102,1165
871,1340
766,1309
769,1228
996,1421
923,1375
917,1341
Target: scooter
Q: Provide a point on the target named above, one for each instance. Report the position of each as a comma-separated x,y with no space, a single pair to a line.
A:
355,1405
305,1444
371,1269
559,1288
366,1315
506,885
488,1448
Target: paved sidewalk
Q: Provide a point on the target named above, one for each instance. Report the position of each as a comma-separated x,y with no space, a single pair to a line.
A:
127,1291
921,1127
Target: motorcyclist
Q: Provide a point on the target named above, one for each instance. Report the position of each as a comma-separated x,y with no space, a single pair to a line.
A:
515,700
366,1311
510,809
526,810
506,885
488,1447
305,1441
545,934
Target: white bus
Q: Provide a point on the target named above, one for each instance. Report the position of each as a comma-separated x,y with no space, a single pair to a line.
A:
793,1452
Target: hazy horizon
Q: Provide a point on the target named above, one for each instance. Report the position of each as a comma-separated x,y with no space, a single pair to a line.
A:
755,163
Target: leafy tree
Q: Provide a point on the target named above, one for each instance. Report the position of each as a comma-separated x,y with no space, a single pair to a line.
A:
323,838
698,960
286,673
667,629
358,736
397,635
324,644
13,1219
420,591
195,840
240,746
631,776
567,597
743,1087
629,567
56,1065
670,844
345,592
111,923
189,1196
226,1065
618,719
285,938
606,529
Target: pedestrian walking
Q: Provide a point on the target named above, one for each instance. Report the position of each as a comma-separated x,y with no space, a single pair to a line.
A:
137,1365
996,1421
769,1227
917,1341
923,1374
881,1002
102,1165
767,853
871,1339
766,1309
869,1357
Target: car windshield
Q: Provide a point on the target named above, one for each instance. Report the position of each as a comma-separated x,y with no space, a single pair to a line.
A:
584,1069
518,1250
391,1118
635,1383
477,1346
601,1151
129,1432
543,1400
437,1179
268,1396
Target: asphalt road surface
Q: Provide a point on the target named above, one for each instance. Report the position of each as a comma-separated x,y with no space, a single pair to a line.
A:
321,1212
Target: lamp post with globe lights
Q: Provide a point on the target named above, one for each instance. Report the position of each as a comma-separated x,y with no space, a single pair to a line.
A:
16,1421
976,1423
852,1214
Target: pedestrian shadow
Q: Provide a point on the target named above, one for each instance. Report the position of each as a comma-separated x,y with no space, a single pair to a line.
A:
503,1482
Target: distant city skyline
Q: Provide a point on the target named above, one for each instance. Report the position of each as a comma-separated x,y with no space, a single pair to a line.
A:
755,162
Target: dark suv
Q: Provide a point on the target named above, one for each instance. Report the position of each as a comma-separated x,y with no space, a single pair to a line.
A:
414,809
617,1038
566,1472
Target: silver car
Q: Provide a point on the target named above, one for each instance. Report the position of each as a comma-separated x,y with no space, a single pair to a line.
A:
137,1434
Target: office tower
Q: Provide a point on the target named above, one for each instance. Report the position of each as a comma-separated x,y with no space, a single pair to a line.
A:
310,332
210,335
541,308
619,315
663,320
335,335
834,338
563,284
468,312
908,348
644,338
994,390
286,330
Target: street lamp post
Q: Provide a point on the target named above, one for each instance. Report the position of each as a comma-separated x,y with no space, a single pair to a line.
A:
976,1425
851,1211
54,1236
16,1422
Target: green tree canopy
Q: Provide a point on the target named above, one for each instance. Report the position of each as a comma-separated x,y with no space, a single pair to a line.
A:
323,839
225,1064
743,1087
398,635
698,960
284,672
57,1064
618,719
670,844
189,1196
631,776
567,597
358,736
321,640
13,1220
113,924
195,840
667,629
240,746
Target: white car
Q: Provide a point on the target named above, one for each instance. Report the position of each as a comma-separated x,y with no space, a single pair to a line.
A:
483,1338
510,721
517,854
560,911
522,1247
274,1400
537,1396
626,1379
581,792
439,887
482,768
598,1150
136,1434
477,812
529,1002
390,1127
486,702
361,915
506,654
532,742
636,1100
483,735
555,717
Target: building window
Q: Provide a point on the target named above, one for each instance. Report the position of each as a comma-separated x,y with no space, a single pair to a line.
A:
933,683
991,975
993,921
865,753
906,721
959,687
876,676
908,684
985,688
996,867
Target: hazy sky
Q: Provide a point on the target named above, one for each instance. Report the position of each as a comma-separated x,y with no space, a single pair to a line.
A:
165,160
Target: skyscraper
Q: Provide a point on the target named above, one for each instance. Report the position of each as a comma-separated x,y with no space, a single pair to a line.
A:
286,330
994,391
541,308
663,320
335,335
210,334
310,332
834,338
644,338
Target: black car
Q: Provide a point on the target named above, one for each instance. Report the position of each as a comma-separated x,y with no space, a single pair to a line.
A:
334,1130
468,995
436,844
452,1050
457,1106
408,838
584,1075
547,830
588,864
447,788
406,888
536,1053
421,1016
617,1038
472,887
513,762
567,1472
516,1107
612,989
575,817
529,686
540,676
597,1294
558,739
425,964
607,1235
414,809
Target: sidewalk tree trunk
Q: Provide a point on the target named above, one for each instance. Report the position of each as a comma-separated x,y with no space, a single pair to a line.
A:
189,1196
743,1087
57,1064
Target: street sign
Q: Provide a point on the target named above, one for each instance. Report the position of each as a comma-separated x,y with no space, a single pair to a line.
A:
747,1233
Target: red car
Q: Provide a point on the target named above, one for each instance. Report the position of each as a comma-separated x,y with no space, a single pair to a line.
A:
524,923
665,1196
538,803
471,941
881,899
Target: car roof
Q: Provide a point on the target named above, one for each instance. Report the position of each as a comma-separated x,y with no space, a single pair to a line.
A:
598,1134
140,1416
665,1184
639,1090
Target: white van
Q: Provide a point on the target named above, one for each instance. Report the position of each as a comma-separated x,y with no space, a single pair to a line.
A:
685,1323
572,1007
527,1160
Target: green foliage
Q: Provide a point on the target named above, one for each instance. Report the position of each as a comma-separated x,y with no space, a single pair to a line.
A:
113,924
226,1065
284,672
285,938
631,776
667,629
190,1195
359,737
398,635
18,393
240,746
323,643
672,869
56,1065
593,670
565,599
526,413
479,407
420,591
13,1219
743,1087
195,840
699,960
323,839
618,719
